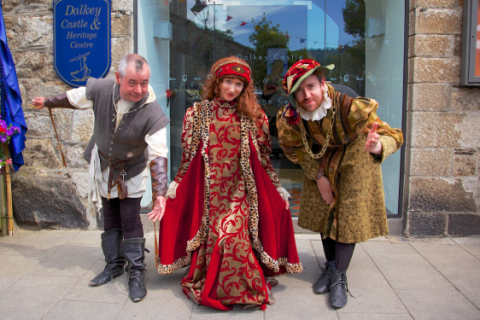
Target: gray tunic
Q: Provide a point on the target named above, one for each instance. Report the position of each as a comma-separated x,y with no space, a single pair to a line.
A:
128,140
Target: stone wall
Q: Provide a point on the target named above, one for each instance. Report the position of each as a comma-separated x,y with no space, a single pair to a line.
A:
45,194
442,172
441,195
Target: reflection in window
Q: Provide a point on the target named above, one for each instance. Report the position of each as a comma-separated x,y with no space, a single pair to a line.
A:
363,38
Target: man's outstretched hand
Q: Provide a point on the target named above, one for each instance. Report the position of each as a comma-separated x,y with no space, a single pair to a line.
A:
373,144
38,103
158,210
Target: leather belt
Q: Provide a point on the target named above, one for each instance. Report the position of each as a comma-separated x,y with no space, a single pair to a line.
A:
114,162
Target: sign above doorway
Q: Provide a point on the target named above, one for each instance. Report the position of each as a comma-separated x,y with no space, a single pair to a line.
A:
81,40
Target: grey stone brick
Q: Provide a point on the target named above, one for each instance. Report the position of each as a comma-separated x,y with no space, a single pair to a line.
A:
426,224
463,224
432,194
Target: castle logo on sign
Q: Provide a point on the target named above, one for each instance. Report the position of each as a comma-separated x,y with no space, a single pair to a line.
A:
81,40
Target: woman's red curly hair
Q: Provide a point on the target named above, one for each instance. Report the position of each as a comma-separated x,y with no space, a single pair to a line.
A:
246,101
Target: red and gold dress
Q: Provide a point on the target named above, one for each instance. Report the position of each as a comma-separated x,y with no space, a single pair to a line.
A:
227,221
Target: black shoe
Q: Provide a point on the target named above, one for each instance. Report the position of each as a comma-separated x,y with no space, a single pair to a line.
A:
323,283
135,254
112,246
338,290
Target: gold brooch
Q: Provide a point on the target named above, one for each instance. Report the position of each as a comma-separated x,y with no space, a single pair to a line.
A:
238,69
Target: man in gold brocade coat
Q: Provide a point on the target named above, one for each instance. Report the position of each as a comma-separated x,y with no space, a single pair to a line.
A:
340,143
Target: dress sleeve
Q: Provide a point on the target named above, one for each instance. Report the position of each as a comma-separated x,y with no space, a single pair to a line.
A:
290,139
264,141
186,142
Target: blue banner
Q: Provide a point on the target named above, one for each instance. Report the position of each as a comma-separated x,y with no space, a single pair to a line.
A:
81,39
11,104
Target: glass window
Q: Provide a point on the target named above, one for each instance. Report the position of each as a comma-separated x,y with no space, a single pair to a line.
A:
363,38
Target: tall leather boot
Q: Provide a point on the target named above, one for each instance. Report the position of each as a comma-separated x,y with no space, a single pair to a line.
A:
323,283
135,254
338,290
112,246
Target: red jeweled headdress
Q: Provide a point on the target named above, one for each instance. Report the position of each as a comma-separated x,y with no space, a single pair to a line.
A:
241,69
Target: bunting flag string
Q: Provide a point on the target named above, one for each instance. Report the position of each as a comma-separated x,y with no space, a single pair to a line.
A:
302,40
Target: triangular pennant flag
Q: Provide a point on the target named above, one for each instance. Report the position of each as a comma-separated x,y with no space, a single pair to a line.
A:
302,40
287,36
243,23
315,42
257,27
229,18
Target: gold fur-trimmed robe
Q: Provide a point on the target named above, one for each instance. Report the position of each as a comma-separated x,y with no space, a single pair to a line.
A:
357,212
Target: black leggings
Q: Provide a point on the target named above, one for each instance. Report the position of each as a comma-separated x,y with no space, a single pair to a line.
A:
123,214
340,252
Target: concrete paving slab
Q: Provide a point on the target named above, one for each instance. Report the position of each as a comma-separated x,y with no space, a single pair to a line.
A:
83,310
309,236
387,261
443,240
115,292
467,240
472,245
18,236
406,278
18,264
69,261
6,280
41,244
361,260
379,239
372,292
311,269
32,296
299,303
319,253
467,282
7,244
212,314
370,316
164,297
88,237
438,305
387,248
445,256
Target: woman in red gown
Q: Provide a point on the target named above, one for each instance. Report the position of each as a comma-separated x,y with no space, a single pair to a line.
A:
226,213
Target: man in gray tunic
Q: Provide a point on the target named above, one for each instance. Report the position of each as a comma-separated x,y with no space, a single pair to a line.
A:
128,143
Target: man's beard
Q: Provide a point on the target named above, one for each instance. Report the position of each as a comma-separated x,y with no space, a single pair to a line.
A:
317,104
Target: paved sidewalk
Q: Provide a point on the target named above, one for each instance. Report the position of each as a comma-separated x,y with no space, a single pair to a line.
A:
45,275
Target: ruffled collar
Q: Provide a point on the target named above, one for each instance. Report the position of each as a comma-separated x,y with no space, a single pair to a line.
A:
320,112
225,103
